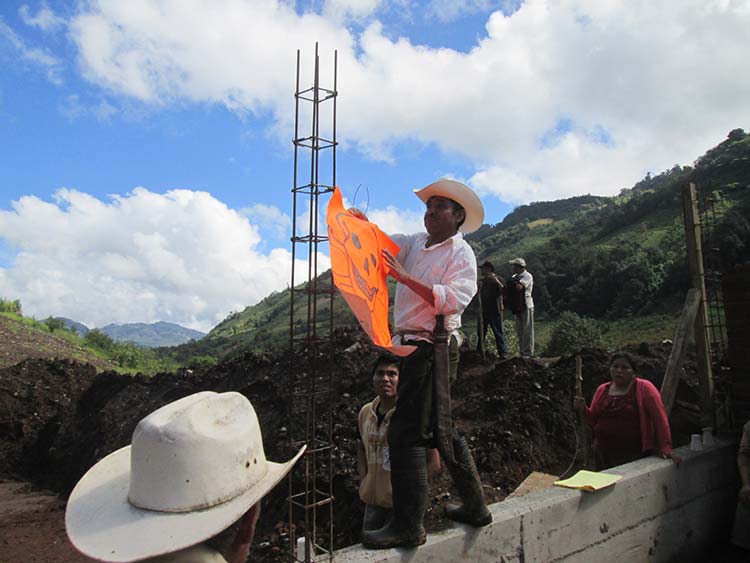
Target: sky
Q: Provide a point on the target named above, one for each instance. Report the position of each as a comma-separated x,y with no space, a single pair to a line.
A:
146,161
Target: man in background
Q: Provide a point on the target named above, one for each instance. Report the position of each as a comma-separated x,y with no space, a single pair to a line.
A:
521,283
491,293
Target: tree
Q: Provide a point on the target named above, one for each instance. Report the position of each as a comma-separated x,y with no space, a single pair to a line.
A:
100,340
54,323
571,333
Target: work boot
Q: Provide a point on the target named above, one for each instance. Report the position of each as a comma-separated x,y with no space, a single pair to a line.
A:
473,511
409,484
375,517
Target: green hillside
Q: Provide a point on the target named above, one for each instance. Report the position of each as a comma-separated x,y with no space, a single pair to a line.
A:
620,260
24,337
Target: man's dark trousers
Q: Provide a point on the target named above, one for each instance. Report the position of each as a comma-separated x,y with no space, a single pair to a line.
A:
492,318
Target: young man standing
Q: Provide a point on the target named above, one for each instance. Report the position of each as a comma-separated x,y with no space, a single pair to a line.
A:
436,273
373,458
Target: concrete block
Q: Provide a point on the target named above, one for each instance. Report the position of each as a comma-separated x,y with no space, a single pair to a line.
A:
657,512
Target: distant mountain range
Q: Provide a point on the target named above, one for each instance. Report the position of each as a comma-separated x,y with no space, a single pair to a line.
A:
153,335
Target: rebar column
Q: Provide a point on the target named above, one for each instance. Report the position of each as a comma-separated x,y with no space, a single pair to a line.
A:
310,330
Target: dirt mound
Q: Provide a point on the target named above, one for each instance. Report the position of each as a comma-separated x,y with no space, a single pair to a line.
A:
61,417
21,342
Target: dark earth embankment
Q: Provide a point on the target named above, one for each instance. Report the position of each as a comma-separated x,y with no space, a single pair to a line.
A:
58,418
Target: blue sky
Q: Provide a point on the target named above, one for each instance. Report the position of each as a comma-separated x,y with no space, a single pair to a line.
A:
139,137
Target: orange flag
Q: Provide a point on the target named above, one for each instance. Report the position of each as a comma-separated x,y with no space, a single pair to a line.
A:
359,271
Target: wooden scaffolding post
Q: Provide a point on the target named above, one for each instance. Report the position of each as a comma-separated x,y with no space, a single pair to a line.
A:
695,265
685,329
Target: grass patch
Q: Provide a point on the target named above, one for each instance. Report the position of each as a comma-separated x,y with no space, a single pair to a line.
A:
634,330
540,223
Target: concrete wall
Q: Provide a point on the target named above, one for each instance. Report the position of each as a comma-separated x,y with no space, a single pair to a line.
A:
656,512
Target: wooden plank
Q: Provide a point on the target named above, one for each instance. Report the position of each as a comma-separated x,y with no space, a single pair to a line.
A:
695,265
584,432
534,482
685,328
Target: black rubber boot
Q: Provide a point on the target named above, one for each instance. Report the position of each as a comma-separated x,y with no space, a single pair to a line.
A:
473,511
409,483
375,517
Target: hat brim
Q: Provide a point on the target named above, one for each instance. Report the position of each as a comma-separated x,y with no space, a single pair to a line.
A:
461,194
102,524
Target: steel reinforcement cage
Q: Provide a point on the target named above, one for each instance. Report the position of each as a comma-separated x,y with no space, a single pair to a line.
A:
310,497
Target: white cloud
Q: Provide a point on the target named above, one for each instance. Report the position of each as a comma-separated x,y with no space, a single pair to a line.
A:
392,220
181,256
451,10
639,85
350,9
45,19
269,219
37,57
73,108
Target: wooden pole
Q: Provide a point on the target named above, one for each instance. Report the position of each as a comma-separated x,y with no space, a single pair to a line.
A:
685,329
695,265
583,430
480,322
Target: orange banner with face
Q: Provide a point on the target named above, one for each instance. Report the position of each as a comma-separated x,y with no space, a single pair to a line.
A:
359,271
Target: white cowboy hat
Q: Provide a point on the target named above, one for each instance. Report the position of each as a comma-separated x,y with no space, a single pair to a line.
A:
518,262
195,467
461,194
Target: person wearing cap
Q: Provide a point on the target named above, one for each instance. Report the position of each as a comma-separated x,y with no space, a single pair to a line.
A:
491,291
187,489
436,273
523,282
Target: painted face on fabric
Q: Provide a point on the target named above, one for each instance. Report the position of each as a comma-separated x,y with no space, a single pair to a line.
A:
621,373
385,380
440,218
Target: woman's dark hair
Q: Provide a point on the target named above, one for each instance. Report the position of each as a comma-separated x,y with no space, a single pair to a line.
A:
621,355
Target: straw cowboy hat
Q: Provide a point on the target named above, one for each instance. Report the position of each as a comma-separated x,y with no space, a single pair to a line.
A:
518,262
195,467
461,194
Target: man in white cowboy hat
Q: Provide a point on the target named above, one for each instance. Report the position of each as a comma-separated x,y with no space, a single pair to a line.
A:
523,282
187,489
436,273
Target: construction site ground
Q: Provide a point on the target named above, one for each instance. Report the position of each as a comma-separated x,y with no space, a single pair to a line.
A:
59,418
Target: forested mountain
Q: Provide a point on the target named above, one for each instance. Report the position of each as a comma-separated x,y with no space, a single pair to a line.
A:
600,257
151,335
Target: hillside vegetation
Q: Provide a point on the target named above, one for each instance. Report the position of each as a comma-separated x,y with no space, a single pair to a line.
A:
615,265
24,337
618,260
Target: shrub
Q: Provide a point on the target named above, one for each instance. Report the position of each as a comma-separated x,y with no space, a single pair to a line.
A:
198,362
98,339
7,306
54,323
571,333
127,355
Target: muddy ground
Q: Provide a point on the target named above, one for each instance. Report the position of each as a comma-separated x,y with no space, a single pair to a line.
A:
58,418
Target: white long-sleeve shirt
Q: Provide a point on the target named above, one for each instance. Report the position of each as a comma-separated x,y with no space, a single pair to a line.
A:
450,267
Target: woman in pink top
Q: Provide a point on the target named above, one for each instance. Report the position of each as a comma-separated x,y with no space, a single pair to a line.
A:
627,417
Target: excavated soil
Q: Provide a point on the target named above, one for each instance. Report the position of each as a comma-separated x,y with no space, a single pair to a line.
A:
58,418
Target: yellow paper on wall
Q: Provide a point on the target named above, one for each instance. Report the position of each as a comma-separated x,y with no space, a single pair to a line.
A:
589,481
